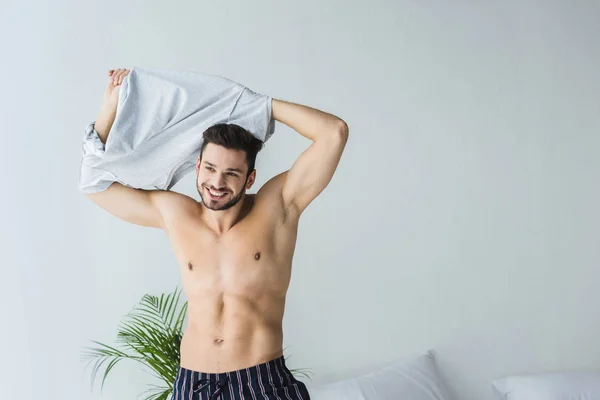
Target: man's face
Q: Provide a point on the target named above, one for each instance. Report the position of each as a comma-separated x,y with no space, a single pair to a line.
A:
221,177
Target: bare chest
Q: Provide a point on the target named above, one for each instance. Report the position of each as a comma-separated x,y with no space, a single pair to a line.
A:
252,260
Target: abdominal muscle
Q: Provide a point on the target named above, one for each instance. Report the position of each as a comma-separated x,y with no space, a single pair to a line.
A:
231,332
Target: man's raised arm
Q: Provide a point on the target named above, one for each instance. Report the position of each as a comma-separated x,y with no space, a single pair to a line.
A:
108,111
315,167
137,206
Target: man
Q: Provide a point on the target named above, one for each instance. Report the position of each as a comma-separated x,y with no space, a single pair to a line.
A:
234,249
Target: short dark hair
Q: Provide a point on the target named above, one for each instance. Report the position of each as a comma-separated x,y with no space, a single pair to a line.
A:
232,136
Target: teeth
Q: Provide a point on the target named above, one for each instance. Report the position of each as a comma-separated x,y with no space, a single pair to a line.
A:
216,194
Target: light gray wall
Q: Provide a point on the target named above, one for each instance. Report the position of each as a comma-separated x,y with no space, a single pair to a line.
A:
463,216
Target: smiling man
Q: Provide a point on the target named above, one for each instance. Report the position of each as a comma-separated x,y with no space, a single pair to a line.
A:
234,249
235,149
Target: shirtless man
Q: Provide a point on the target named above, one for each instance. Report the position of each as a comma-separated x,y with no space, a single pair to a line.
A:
234,249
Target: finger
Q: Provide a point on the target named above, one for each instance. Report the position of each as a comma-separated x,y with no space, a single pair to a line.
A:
110,72
123,75
120,77
115,77
112,76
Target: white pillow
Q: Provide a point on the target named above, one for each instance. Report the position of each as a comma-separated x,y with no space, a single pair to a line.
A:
550,386
416,378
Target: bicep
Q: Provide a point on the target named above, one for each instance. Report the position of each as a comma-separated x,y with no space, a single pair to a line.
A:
131,205
312,171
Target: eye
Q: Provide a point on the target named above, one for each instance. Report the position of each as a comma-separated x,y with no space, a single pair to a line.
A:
209,168
231,174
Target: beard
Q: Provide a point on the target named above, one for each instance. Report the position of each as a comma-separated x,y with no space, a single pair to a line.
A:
217,205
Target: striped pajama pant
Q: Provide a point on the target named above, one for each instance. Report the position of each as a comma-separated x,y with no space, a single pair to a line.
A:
271,380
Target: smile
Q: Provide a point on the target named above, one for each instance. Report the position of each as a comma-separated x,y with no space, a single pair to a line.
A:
216,195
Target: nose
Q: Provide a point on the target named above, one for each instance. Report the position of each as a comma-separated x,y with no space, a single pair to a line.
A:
219,182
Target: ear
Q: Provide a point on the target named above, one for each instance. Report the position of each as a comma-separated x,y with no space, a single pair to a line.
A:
198,160
251,179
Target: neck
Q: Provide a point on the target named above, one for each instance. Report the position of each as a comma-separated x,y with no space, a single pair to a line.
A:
222,221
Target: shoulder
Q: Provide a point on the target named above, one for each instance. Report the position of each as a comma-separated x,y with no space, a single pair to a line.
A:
172,204
167,198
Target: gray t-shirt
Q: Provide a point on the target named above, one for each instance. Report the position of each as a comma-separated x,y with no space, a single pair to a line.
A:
157,133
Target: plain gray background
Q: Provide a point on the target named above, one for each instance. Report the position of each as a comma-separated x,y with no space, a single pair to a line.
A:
463,216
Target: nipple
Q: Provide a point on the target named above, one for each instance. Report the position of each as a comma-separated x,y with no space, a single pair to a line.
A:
190,266
257,256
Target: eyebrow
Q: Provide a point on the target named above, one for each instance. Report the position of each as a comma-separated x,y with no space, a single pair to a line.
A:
228,169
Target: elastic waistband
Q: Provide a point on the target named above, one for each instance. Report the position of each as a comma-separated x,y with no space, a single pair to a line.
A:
251,375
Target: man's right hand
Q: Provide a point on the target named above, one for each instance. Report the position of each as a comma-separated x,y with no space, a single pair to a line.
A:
108,111
115,79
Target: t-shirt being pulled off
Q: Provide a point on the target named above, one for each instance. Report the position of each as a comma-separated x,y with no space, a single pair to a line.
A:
156,136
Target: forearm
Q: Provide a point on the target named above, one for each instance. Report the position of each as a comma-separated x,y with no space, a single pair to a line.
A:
309,122
108,111
104,120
